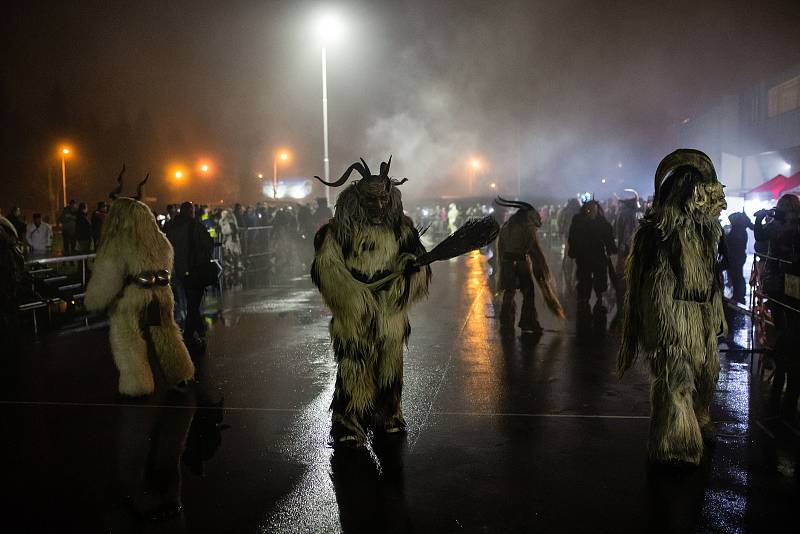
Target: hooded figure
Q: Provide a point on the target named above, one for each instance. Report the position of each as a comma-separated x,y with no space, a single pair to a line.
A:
520,260
737,253
131,281
368,238
673,304
590,242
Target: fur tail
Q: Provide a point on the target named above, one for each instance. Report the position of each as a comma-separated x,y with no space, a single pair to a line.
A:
548,287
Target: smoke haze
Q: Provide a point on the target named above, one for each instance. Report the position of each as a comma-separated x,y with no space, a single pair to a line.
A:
557,94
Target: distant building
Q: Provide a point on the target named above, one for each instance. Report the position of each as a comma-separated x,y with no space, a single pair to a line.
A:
751,136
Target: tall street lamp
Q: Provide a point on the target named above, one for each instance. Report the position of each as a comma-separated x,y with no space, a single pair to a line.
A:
474,165
329,27
283,156
65,151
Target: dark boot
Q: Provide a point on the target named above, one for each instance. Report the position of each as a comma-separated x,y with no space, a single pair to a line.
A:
528,321
599,315
508,310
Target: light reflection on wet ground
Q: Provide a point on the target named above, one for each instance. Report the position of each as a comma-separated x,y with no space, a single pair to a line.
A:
506,433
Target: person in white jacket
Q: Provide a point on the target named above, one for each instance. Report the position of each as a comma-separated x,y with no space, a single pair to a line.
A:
39,235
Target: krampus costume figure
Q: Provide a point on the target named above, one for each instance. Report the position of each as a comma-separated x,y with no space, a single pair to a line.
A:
368,238
131,280
520,260
673,304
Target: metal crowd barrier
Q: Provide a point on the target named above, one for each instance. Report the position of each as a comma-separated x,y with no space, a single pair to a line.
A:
257,255
46,302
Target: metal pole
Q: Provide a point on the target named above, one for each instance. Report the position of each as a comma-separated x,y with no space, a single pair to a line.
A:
519,161
471,178
274,177
64,178
325,160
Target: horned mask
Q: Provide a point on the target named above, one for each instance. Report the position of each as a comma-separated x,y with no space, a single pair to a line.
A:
376,194
531,213
113,195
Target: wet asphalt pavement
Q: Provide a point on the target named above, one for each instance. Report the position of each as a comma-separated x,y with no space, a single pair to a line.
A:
506,433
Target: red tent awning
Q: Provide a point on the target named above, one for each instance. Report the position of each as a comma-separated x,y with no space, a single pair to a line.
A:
774,187
792,182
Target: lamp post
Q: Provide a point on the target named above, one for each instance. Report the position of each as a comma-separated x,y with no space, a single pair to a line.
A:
329,27
65,151
325,160
474,165
283,156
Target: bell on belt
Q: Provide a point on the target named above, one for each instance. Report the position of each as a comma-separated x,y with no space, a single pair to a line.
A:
145,279
163,277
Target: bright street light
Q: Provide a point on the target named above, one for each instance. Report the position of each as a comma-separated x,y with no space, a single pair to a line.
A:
178,175
283,156
329,28
474,166
204,168
65,151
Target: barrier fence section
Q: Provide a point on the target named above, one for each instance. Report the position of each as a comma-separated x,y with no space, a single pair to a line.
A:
59,283
257,255
55,283
762,304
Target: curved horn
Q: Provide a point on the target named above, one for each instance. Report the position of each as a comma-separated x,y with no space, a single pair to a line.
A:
684,157
366,173
140,187
635,192
385,167
514,204
354,167
500,201
117,190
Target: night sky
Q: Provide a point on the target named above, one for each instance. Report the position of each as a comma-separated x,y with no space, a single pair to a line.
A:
560,91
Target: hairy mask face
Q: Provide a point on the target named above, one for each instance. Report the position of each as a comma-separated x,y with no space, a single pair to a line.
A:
374,197
709,199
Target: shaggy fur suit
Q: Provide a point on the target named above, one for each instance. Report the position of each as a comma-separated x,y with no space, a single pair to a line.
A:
369,327
673,307
132,243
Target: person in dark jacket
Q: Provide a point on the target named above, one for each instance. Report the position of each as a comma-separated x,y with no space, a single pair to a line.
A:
98,217
590,242
67,222
780,241
83,229
193,247
737,253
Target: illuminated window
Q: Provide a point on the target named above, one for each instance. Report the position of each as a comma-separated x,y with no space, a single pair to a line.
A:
784,97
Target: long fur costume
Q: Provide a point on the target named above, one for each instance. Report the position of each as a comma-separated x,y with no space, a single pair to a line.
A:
519,237
132,243
673,311
369,328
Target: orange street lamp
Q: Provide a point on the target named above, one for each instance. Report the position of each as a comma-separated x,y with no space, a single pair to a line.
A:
283,156
204,167
65,151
